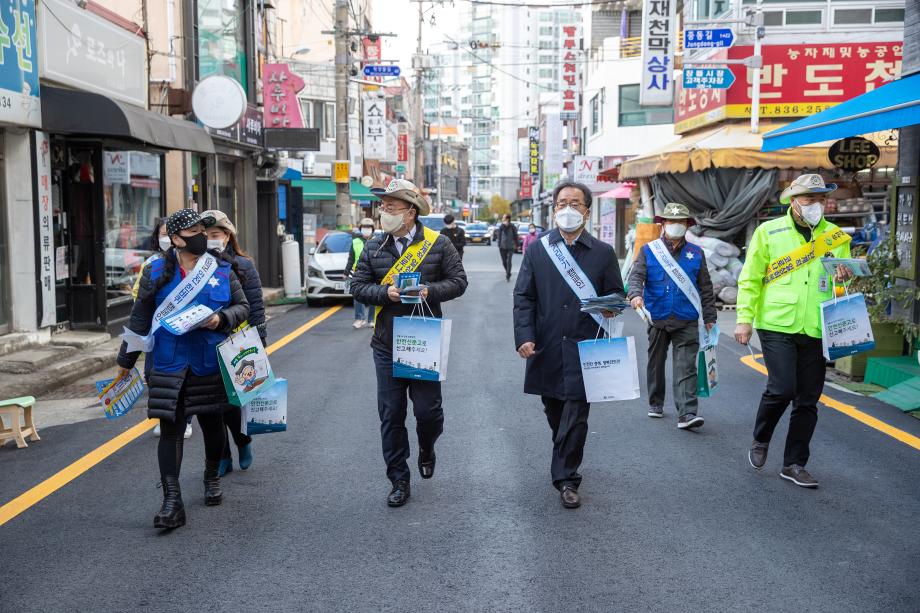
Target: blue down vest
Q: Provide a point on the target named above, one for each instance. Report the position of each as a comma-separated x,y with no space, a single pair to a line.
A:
662,296
196,349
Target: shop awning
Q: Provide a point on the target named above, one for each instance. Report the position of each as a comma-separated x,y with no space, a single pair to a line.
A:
324,189
732,145
622,190
891,106
66,111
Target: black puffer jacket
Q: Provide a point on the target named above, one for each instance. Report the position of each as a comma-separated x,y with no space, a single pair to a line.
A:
442,271
203,394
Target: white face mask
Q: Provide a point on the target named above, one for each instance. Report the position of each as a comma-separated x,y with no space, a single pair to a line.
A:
812,213
675,230
568,219
367,232
164,242
391,222
215,243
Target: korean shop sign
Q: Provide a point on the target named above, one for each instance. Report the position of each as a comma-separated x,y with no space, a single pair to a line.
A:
570,71
659,32
796,81
375,139
83,50
279,92
19,91
533,151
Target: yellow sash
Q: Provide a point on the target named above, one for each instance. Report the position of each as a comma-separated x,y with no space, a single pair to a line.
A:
410,260
805,254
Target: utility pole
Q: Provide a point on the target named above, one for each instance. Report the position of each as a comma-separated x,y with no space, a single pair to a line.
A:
342,63
419,107
438,161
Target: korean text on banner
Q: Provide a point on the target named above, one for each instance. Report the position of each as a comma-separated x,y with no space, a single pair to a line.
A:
118,396
609,369
268,412
845,327
420,348
659,31
244,366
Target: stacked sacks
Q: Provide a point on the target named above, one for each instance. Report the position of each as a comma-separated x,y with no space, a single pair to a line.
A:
723,264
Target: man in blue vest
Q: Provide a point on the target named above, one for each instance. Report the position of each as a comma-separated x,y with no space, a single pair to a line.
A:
670,281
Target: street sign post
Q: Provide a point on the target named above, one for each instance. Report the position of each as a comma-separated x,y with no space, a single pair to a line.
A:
716,38
708,78
400,168
381,70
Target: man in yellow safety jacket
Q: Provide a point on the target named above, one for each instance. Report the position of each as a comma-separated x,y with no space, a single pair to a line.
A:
780,291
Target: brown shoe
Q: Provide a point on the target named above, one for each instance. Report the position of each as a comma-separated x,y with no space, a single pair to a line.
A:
570,497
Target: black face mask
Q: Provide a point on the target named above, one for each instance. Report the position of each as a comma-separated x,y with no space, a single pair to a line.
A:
196,244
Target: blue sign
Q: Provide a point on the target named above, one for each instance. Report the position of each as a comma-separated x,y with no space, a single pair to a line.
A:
381,70
708,78
19,90
719,38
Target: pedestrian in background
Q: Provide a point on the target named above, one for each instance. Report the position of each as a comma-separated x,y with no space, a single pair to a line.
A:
364,315
222,239
674,311
159,244
444,279
185,379
549,323
506,237
529,238
455,234
784,304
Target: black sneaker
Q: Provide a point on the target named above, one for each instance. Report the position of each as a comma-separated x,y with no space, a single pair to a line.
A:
689,421
798,475
757,456
656,411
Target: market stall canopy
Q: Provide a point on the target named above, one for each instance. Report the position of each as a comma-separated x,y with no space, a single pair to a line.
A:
324,189
732,145
66,111
891,106
623,190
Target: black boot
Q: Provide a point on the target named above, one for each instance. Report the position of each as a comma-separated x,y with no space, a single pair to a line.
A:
172,513
212,493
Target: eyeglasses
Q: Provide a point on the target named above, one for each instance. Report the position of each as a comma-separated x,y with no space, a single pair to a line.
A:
575,204
389,208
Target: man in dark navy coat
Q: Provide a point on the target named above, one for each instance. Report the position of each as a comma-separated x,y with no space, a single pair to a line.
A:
548,324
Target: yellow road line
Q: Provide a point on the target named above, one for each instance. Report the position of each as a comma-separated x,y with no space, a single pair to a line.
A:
848,410
66,475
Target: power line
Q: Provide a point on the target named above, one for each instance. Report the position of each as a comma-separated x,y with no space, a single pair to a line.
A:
533,5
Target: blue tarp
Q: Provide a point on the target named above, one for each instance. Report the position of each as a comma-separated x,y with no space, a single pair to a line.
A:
891,106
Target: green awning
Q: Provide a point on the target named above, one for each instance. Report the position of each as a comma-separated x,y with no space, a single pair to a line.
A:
324,189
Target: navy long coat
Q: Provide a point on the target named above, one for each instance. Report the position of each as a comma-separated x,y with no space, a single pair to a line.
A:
547,313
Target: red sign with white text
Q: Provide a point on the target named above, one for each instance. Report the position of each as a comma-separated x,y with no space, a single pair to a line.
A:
279,90
526,185
796,81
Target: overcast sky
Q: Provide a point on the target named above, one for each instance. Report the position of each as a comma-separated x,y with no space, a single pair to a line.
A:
401,17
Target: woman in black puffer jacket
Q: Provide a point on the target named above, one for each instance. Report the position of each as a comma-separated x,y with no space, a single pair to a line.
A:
185,378
222,237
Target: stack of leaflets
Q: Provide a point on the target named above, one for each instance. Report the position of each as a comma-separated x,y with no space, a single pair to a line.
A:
119,395
613,302
187,319
408,284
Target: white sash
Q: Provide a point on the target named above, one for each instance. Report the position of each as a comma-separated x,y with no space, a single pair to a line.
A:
180,297
677,274
571,272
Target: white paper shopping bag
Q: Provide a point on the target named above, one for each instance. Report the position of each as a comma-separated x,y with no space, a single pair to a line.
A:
421,346
845,327
244,366
609,369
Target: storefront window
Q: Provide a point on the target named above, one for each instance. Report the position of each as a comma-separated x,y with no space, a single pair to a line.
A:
222,39
132,189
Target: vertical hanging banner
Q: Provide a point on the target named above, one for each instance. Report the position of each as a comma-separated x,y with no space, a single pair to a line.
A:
659,32
48,315
402,142
375,141
533,152
570,71
526,185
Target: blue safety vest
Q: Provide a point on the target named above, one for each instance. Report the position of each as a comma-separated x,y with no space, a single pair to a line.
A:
662,296
196,349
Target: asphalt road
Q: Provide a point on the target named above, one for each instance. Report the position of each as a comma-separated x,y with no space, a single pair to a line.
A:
672,520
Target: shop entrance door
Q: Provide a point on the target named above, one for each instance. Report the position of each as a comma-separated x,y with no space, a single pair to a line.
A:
78,229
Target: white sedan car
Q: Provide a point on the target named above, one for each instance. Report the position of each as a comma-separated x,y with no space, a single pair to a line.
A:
326,268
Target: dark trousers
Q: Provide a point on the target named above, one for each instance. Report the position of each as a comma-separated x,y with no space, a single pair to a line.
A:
568,419
506,260
392,405
795,367
172,439
686,342
233,420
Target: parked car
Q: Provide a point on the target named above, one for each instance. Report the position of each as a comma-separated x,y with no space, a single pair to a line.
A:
434,222
522,229
326,268
478,233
